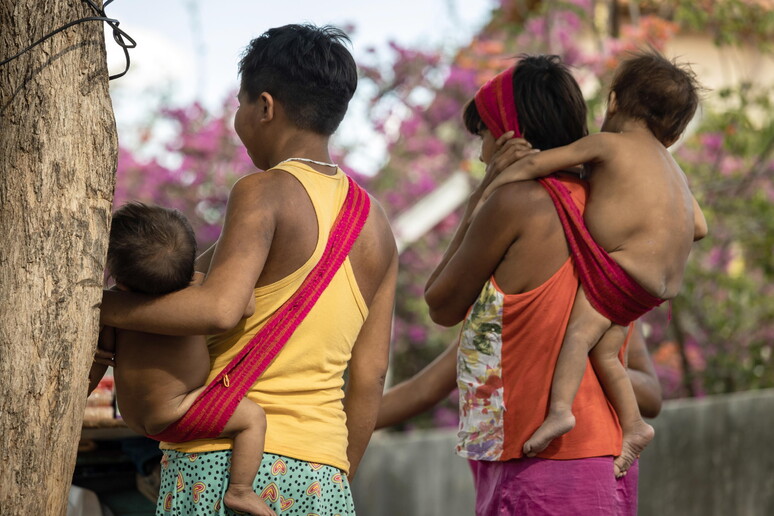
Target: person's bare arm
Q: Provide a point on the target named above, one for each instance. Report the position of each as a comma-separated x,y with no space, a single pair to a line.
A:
199,277
204,260
219,302
420,392
368,367
643,376
103,357
458,280
470,207
700,228
589,149
508,150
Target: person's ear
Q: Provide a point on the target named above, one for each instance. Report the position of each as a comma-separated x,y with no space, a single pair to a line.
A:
612,103
266,106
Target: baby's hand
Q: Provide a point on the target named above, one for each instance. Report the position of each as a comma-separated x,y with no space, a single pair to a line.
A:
508,151
105,358
510,173
106,347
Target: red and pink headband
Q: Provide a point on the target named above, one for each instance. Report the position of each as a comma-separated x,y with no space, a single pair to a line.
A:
496,106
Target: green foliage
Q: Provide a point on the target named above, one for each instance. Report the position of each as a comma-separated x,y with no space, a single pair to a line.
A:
730,22
729,288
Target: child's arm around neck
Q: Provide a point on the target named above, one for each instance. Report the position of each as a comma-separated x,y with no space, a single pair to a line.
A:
590,149
218,304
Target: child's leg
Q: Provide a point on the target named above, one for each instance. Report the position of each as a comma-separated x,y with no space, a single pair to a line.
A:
159,417
618,389
584,330
247,426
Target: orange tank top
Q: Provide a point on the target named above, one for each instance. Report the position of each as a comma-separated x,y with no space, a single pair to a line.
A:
508,350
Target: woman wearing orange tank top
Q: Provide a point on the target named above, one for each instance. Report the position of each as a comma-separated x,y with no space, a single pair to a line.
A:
508,277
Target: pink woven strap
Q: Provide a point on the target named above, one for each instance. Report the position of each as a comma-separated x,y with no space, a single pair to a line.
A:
209,414
609,289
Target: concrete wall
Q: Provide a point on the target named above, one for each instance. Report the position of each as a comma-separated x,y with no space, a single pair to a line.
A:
413,474
713,456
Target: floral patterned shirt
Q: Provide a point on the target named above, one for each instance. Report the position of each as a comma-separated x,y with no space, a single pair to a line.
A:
479,378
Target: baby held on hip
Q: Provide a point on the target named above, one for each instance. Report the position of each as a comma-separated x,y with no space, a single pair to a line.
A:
158,377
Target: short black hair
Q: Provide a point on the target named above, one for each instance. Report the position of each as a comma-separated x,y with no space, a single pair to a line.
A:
306,68
662,93
549,103
151,249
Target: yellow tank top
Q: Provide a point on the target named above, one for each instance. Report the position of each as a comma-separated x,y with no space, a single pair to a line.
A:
301,391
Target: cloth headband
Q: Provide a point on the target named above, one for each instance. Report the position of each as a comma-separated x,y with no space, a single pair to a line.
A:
496,106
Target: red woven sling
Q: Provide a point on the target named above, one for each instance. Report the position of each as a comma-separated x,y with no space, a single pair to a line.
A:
208,415
609,289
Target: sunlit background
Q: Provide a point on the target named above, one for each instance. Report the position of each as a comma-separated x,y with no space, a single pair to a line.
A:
420,61
188,51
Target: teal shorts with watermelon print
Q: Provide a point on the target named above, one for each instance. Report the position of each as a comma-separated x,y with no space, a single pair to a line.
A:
193,484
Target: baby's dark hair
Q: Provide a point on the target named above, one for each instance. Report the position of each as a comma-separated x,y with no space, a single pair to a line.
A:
307,69
549,103
660,92
152,249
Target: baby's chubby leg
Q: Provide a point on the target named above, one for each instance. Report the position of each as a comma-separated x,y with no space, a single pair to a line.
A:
247,426
584,329
618,389
160,415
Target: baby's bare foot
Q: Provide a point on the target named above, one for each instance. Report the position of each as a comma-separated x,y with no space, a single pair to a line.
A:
555,424
246,501
634,442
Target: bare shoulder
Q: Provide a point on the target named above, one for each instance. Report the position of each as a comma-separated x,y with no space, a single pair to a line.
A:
511,208
515,199
602,138
266,184
633,145
264,199
378,241
617,152
380,225
374,251
605,144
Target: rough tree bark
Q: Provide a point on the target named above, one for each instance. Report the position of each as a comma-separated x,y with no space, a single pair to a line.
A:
58,153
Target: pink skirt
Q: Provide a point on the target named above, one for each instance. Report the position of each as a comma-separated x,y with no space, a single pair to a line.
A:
543,487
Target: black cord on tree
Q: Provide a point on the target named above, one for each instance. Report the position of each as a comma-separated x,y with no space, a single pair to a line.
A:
119,36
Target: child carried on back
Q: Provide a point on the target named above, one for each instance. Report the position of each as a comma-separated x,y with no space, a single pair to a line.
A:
158,377
641,214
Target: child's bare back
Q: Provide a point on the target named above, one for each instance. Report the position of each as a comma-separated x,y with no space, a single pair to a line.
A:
158,378
640,210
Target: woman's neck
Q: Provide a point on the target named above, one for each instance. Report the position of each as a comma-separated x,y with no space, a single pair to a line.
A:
306,145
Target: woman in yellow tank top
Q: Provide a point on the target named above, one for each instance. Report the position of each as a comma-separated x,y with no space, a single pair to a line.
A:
276,228
305,381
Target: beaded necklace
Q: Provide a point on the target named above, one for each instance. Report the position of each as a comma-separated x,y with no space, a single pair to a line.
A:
307,160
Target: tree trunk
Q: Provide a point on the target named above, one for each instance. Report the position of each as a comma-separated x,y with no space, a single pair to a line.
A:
58,154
